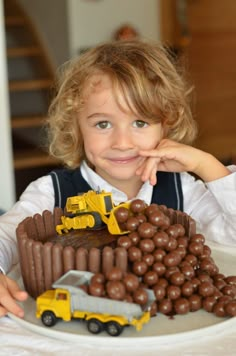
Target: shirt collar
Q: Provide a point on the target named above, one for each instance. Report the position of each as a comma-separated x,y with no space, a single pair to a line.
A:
98,183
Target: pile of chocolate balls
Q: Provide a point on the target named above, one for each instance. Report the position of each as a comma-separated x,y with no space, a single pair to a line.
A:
179,269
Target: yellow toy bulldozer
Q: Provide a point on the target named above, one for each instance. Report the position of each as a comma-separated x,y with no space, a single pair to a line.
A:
91,210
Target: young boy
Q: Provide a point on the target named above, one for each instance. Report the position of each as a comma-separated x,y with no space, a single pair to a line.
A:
121,122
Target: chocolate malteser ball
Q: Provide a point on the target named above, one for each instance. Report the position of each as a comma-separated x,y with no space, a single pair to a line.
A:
146,230
115,274
160,239
172,231
148,259
198,238
218,276
128,298
165,306
132,223
206,289
173,292
170,271
230,280
188,271
177,278
204,277
195,248
181,230
195,302
206,253
134,254
171,244
131,282
134,237
159,268
141,218
146,245
187,289
151,209
182,241
140,296
154,309
96,289
171,259
124,241
195,282
121,214
206,265
166,223
181,251
225,299
191,259
208,303
159,292
230,308
98,277
229,290
159,254
140,268
115,290
137,206
219,284
181,306
157,218
163,282
219,309
150,278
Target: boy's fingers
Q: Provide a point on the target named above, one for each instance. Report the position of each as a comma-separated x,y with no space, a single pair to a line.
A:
149,173
3,311
9,293
14,290
9,304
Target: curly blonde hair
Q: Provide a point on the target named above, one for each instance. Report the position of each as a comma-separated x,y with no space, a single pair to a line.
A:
146,75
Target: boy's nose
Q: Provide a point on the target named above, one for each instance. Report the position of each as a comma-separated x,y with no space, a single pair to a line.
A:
122,140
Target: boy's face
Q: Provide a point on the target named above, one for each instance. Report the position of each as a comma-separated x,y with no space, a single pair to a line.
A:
113,137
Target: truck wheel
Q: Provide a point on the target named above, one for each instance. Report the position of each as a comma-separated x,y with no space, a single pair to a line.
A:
95,326
48,318
113,328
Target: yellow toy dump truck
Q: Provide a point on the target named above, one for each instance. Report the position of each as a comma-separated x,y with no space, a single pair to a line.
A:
91,210
67,300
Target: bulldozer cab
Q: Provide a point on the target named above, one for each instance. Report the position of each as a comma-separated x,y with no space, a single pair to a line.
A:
99,201
76,204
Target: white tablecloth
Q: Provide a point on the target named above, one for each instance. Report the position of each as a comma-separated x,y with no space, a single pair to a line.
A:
17,340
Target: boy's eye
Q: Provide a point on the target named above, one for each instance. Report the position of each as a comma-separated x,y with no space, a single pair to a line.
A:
140,123
103,125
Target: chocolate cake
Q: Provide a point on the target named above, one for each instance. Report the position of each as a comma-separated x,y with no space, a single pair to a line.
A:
45,256
161,248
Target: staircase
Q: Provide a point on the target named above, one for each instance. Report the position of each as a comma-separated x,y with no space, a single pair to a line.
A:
30,77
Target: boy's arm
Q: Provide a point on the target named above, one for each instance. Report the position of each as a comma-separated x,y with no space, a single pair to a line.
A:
171,156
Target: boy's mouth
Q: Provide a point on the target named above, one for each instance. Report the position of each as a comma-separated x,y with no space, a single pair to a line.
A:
124,160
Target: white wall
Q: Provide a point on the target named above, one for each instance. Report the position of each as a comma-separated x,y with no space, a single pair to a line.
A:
7,184
94,21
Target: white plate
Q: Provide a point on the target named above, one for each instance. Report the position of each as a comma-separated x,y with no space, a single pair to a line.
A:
160,330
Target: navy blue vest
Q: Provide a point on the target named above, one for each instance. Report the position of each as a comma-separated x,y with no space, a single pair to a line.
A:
167,191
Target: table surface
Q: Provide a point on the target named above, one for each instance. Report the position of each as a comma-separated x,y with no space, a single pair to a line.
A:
17,340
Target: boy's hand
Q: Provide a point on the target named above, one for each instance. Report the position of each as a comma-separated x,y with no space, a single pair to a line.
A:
9,294
171,156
